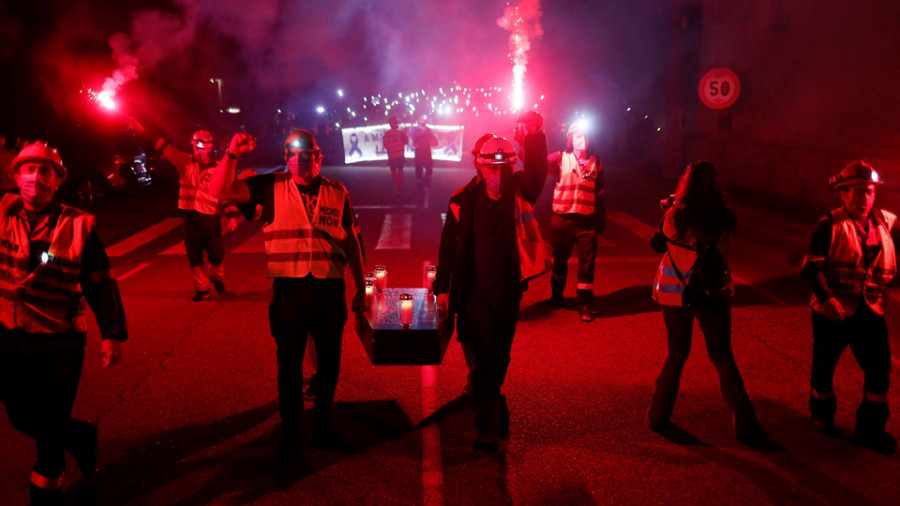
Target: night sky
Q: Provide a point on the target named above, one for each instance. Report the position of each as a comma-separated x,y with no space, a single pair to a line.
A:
294,55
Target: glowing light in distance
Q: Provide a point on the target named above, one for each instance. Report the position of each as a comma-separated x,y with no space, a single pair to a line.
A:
340,92
234,110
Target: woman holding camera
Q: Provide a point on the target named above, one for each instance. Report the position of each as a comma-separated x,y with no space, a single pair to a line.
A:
695,236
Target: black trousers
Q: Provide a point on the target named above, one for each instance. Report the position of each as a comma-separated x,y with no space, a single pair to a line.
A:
203,232
569,231
300,308
39,378
489,325
716,327
867,335
426,164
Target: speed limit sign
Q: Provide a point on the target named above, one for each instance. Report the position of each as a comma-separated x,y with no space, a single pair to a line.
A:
719,88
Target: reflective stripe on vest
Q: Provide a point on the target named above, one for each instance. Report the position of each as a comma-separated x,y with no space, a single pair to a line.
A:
848,280
667,287
193,194
574,194
48,299
294,246
393,143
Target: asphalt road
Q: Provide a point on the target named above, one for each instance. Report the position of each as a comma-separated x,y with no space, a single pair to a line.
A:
190,416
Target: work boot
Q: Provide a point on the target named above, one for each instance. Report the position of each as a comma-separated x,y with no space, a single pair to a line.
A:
218,285
871,418
200,295
822,411
585,303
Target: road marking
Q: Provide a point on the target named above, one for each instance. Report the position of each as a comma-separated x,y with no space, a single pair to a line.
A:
432,469
143,237
132,272
633,225
254,244
177,249
396,231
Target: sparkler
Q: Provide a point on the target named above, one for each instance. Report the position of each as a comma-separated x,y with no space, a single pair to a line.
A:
522,20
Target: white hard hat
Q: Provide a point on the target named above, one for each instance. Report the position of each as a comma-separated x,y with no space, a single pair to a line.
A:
39,151
497,151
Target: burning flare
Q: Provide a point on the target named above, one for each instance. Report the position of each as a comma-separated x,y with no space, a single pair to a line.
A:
522,20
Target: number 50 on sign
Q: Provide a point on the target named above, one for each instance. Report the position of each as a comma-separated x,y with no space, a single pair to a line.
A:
719,88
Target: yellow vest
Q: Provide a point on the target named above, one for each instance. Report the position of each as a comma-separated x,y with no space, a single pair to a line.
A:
297,245
574,192
844,272
47,300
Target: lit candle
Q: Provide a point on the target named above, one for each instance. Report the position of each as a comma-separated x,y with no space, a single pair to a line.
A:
370,292
406,309
430,274
380,277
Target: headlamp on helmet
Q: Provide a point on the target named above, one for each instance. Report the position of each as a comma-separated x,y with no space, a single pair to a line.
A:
497,151
299,140
857,172
202,139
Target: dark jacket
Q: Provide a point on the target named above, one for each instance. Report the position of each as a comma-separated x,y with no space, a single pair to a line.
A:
455,272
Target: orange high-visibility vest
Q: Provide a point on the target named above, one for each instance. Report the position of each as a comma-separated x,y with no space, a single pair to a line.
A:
193,194
848,280
574,192
535,254
48,299
297,244
667,287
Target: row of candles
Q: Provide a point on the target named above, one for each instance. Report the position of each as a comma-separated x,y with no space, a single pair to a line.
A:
376,281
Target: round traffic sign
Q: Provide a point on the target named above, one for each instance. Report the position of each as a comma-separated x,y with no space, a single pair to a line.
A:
719,88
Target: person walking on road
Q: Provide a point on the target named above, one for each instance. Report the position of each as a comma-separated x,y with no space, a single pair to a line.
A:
490,246
579,214
200,210
851,260
51,261
693,282
311,237
423,140
395,141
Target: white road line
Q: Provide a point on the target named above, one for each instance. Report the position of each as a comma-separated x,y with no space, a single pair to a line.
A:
396,231
177,249
432,468
143,237
132,272
254,244
633,225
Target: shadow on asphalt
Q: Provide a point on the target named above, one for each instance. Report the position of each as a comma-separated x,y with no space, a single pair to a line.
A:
788,290
200,453
797,481
470,477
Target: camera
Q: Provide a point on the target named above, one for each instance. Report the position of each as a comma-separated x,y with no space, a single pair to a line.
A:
667,202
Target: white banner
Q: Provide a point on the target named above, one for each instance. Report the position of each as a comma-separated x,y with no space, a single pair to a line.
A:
365,144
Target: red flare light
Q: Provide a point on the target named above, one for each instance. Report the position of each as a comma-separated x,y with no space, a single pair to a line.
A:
103,99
